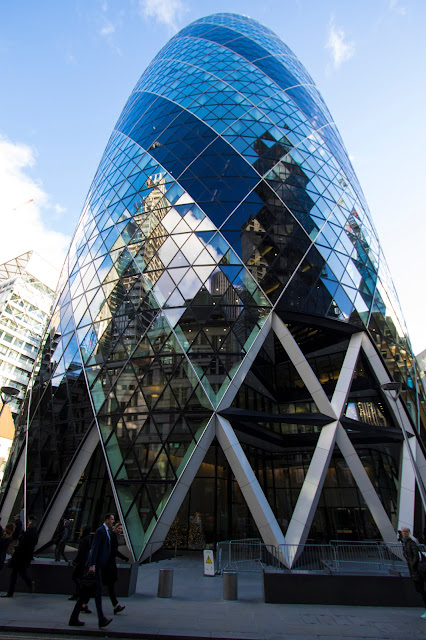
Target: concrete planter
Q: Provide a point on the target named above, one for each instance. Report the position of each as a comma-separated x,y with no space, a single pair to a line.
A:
361,590
56,577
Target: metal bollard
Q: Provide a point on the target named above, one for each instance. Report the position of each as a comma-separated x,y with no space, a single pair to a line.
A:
230,585
165,583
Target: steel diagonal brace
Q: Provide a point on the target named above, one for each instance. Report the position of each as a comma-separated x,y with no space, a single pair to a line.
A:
307,502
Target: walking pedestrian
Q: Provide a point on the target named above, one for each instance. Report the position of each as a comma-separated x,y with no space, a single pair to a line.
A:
96,563
411,554
22,556
62,540
81,558
18,526
109,574
5,541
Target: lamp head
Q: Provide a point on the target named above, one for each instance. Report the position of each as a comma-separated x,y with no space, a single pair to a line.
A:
9,391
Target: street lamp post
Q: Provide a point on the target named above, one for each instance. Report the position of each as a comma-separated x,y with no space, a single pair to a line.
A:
5,393
396,386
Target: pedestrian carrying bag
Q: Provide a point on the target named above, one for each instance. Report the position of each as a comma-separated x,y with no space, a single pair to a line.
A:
421,568
87,584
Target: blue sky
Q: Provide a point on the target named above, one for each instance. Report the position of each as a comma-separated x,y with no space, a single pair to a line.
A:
67,68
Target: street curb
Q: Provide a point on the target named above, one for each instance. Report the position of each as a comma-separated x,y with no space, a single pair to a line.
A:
100,633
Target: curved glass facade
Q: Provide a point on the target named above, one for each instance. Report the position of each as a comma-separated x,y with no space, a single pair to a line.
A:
225,197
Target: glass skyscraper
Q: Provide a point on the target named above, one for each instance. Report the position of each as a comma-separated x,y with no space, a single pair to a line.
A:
225,321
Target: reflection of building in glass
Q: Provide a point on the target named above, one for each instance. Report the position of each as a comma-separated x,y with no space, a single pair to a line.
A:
421,360
26,296
214,363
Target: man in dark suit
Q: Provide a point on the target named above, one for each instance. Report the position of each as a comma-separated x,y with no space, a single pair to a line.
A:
97,561
22,557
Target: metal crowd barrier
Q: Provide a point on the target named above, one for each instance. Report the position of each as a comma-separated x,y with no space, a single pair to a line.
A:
240,555
339,557
309,557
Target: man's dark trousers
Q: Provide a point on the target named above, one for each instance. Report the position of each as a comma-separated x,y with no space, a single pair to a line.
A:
23,572
98,557
98,596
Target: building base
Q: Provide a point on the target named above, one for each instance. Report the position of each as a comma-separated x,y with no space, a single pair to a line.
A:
55,577
343,589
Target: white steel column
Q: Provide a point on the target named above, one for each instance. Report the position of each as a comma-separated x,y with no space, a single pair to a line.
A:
245,366
407,490
419,458
302,366
156,537
310,492
407,474
307,502
365,486
68,485
14,487
263,516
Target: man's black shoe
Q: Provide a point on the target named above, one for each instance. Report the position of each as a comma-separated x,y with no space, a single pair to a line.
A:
6,595
119,608
105,622
75,623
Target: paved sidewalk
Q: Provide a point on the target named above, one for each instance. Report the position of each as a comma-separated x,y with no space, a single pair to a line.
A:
197,610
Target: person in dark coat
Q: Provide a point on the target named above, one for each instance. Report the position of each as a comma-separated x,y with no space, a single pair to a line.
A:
5,541
62,540
96,563
18,526
411,554
109,574
81,558
21,559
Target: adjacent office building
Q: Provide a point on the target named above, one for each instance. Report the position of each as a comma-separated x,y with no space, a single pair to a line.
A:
27,285
215,362
7,432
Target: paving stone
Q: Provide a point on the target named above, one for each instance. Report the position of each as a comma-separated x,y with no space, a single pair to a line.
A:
322,619
356,620
308,618
345,620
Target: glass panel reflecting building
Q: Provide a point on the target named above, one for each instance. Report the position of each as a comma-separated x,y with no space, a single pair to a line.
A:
225,321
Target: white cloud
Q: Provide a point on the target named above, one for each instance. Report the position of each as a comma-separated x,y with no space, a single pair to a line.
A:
168,12
25,209
395,6
108,29
340,50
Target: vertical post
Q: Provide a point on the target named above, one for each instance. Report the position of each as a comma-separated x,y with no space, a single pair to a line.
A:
27,427
165,583
230,585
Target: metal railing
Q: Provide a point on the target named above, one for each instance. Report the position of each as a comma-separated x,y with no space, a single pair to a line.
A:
339,557
308,557
249,555
239,555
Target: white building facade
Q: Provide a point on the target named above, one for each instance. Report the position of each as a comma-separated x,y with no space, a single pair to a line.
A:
26,294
